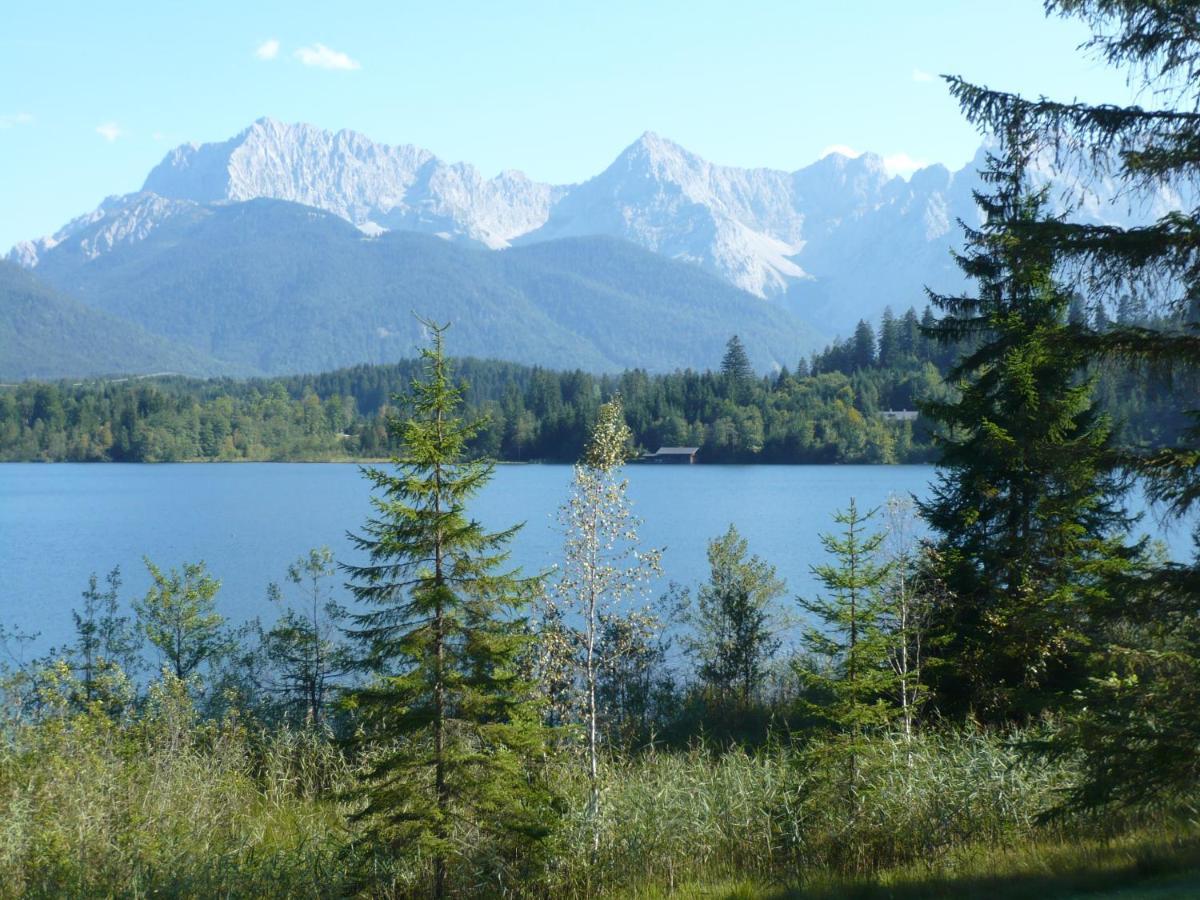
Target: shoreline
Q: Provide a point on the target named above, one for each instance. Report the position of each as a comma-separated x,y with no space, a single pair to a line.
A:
348,461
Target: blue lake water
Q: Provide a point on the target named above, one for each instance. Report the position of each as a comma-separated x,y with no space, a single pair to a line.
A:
58,523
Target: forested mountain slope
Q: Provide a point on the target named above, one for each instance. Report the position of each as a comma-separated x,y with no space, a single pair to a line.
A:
273,287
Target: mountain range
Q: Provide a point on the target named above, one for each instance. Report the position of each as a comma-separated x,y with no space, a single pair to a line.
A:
662,253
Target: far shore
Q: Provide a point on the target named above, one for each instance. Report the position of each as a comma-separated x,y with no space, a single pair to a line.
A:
376,461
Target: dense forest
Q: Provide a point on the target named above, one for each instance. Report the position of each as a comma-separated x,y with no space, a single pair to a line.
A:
829,409
1003,703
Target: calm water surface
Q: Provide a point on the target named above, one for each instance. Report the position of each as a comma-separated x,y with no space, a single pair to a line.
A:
58,523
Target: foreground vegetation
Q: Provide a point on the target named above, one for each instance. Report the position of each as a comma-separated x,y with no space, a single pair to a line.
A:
165,803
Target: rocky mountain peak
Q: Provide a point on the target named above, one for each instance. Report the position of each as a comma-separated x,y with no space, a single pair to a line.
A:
836,237
378,186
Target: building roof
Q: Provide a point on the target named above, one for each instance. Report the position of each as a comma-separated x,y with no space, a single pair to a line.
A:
672,451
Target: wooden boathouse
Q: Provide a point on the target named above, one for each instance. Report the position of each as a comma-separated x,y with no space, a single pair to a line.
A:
677,455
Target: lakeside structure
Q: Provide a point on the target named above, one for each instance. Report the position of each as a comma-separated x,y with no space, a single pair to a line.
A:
676,455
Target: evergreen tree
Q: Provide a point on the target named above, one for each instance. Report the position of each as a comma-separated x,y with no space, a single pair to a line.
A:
1132,311
1077,313
735,623
782,379
450,722
1025,516
863,354
735,364
910,334
736,371
889,339
1139,723
849,643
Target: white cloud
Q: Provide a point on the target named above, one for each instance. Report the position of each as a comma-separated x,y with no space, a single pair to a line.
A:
922,76
841,150
895,163
21,118
324,58
110,131
902,164
267,49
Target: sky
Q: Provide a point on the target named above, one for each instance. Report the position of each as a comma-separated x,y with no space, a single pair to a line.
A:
93,95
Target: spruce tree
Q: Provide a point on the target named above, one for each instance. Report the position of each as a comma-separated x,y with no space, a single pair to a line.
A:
863,346
735,364
1138,722
910,334
889,339
848,666
1026,517
736,371
447,722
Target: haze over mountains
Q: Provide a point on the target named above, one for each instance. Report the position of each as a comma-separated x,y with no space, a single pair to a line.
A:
242,252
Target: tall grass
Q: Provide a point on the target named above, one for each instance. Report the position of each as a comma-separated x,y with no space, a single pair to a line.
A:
167,805
672,817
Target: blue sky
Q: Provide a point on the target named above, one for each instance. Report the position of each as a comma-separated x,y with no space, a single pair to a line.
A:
92,95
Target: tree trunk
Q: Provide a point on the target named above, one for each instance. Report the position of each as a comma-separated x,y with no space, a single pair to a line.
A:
439,702
593,768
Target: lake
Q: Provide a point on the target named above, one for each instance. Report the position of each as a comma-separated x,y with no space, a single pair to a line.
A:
58,523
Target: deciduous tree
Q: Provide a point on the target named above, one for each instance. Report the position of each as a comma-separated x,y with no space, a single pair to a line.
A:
736,622
604,567
303,648
178,615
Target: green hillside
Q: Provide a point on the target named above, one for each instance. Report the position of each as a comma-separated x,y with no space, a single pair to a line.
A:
44,334
274,287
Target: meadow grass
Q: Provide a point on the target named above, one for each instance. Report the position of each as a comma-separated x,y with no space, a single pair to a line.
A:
1160,863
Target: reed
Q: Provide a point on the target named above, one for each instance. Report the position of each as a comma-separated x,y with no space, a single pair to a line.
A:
169,805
